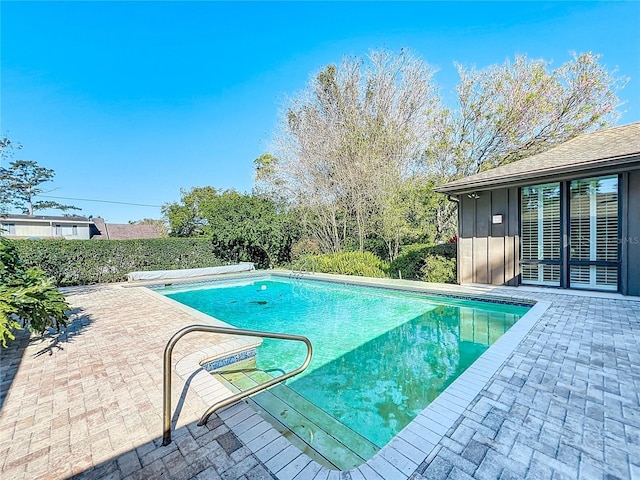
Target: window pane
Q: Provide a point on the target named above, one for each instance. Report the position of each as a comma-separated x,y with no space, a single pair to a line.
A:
594,277
594,231
8,228
540,233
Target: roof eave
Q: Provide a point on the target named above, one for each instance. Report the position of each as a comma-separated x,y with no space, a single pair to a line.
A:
604,166
8,217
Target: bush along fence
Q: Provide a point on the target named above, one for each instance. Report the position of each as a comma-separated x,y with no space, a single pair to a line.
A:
429,263
364,264
85,262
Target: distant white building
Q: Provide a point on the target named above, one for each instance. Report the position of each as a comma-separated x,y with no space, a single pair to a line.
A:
40,226
71,227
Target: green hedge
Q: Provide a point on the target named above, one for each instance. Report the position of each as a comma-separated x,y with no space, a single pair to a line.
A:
84,262
429,263
364,264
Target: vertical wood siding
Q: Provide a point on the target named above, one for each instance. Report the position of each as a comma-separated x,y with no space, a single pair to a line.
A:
489,253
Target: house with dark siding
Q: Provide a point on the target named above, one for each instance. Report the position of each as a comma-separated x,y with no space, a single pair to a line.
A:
567,218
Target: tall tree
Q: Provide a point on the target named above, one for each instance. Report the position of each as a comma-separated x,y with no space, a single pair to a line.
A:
364,131
250,227
22,182
514,110
407,216
358,129
517,109
7,150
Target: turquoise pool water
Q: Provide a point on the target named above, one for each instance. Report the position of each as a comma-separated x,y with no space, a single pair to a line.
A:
380,356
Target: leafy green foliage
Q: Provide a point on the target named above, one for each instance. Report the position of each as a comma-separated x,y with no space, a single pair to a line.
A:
27,297
249,227
264,167
84,262
186,218
408,216
364,264
439,269
241,227
429,263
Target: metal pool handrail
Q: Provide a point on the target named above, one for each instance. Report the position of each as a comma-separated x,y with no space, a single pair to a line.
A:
305,263
166,403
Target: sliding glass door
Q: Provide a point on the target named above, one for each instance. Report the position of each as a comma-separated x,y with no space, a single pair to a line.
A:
540,236
585,213
593,261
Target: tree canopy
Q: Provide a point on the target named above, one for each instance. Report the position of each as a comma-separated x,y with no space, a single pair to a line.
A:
366,141
242,227
349,141
517,109
21,184
186,217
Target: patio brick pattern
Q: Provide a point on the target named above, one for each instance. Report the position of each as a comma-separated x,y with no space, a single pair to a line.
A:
88,403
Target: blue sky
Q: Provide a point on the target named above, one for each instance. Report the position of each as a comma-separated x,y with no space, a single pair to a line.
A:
131,101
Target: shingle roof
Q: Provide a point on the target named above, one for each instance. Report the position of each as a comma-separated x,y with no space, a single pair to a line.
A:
616,147
125,231
122,231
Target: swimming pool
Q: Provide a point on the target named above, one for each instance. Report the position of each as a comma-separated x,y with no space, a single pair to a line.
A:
380,355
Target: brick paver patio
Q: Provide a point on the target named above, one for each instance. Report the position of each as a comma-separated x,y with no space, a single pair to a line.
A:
88,403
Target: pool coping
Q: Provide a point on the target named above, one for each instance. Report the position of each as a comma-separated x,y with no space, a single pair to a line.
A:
415,443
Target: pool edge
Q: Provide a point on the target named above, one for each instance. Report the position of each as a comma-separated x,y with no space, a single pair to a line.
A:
415,443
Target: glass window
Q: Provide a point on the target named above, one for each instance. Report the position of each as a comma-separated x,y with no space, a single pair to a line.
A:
594,233
8,228
540,234
591,260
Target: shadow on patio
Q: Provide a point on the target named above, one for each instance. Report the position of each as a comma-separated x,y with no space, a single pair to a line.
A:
11,357
209,452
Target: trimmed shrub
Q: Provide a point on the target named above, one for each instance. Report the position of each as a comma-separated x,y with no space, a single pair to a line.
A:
438,269
364,264
429,263
85,262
